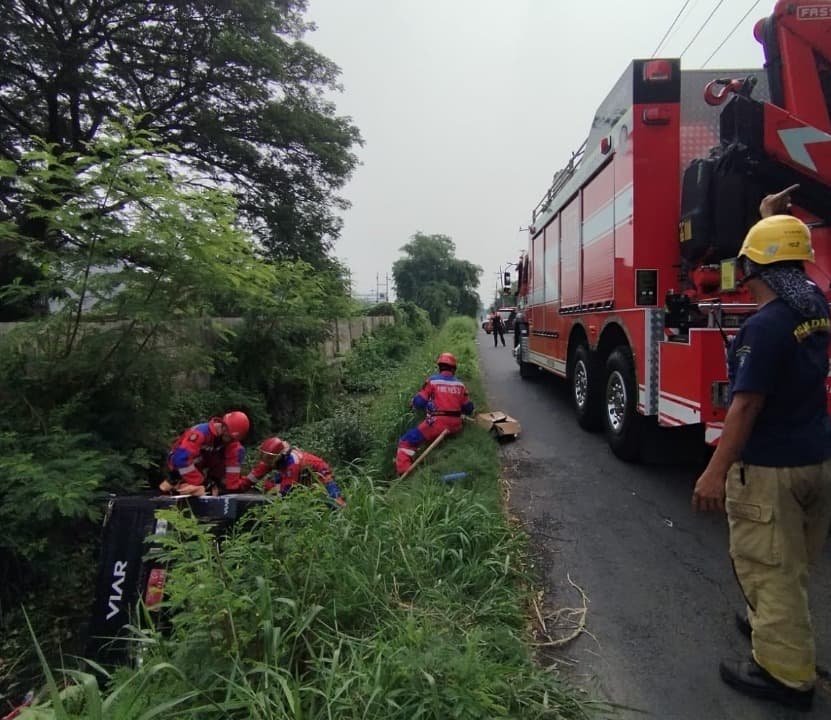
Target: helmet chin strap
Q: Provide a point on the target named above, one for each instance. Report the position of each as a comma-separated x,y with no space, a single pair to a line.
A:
747,272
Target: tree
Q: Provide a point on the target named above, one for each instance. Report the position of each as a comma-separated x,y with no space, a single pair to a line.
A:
143,248
230,84
434,279
91,391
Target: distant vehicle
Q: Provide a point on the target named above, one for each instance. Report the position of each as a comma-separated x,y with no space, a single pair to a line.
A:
507,314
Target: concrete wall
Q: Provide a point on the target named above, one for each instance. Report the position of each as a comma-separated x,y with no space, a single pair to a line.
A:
343,333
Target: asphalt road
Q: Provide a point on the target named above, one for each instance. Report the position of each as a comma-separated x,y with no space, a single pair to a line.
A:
657,576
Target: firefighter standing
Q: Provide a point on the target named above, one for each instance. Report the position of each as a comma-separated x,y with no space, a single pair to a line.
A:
497,326
207,454
445,399
291,466
772,463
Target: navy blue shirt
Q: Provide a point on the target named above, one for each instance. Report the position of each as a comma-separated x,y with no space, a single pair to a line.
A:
784,356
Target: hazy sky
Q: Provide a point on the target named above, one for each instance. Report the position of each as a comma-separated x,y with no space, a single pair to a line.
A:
469,107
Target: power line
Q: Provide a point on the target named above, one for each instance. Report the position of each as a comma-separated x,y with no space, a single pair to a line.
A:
703,25
672,25
688,13
730,34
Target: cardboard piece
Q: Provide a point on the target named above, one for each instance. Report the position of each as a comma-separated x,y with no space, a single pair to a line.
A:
500,423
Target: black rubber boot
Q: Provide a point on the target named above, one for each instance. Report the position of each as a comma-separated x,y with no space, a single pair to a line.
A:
749,678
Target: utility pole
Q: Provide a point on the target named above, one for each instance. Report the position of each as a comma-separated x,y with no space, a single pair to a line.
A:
348,276
385,284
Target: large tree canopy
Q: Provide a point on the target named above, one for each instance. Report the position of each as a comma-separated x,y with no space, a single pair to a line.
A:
433,278
230,83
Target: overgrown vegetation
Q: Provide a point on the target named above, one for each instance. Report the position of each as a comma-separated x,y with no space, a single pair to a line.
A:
134,261
406,604
125,124
161,163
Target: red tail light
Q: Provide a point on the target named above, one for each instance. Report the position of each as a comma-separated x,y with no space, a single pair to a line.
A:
155,588
657,71
656,116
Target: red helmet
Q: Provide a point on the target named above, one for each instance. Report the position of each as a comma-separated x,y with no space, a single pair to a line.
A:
446,359
274,446
236,423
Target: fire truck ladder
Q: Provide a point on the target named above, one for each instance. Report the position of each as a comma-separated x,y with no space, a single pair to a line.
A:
561,177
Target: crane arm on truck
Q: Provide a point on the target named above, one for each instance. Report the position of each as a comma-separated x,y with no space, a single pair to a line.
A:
789,137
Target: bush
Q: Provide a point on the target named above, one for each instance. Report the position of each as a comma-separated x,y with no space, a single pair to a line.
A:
342,438
415,318
280,359
380,310
366,368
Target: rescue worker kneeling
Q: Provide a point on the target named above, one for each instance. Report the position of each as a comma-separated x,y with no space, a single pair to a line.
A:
444,398
207,455
291,466
771,468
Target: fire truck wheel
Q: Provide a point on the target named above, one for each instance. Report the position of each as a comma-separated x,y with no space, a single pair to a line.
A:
622,422
585,387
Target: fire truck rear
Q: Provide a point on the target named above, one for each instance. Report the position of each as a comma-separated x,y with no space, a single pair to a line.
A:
629,288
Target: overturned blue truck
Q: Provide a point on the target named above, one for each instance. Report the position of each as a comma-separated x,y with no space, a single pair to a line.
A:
130,574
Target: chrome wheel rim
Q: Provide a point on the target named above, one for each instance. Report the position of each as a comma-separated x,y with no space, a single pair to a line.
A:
581,384
616,401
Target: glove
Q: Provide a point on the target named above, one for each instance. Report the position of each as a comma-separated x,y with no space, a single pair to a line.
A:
336,504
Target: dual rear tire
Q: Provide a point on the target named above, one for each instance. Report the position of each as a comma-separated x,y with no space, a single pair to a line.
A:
605,396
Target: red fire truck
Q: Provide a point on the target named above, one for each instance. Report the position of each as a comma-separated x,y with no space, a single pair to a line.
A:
628,287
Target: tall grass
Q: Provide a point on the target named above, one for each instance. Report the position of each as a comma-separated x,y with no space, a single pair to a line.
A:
406,604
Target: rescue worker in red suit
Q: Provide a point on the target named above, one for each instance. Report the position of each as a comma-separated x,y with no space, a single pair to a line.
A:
208,454
290,466
444,398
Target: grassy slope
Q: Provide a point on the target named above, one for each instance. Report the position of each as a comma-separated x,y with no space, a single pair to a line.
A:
407,604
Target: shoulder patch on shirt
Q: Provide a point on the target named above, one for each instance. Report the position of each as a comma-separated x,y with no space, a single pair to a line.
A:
742,353
811,326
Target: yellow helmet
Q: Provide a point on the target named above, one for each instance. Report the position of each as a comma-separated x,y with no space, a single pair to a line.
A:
778,238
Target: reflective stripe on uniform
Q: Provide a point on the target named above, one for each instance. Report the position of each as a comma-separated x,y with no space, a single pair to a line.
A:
187,469
233,470
407,451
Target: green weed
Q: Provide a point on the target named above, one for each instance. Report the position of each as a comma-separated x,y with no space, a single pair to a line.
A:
408,603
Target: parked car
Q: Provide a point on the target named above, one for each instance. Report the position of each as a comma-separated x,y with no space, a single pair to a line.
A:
507,314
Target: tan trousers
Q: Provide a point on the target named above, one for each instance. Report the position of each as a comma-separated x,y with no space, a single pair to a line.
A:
779,519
